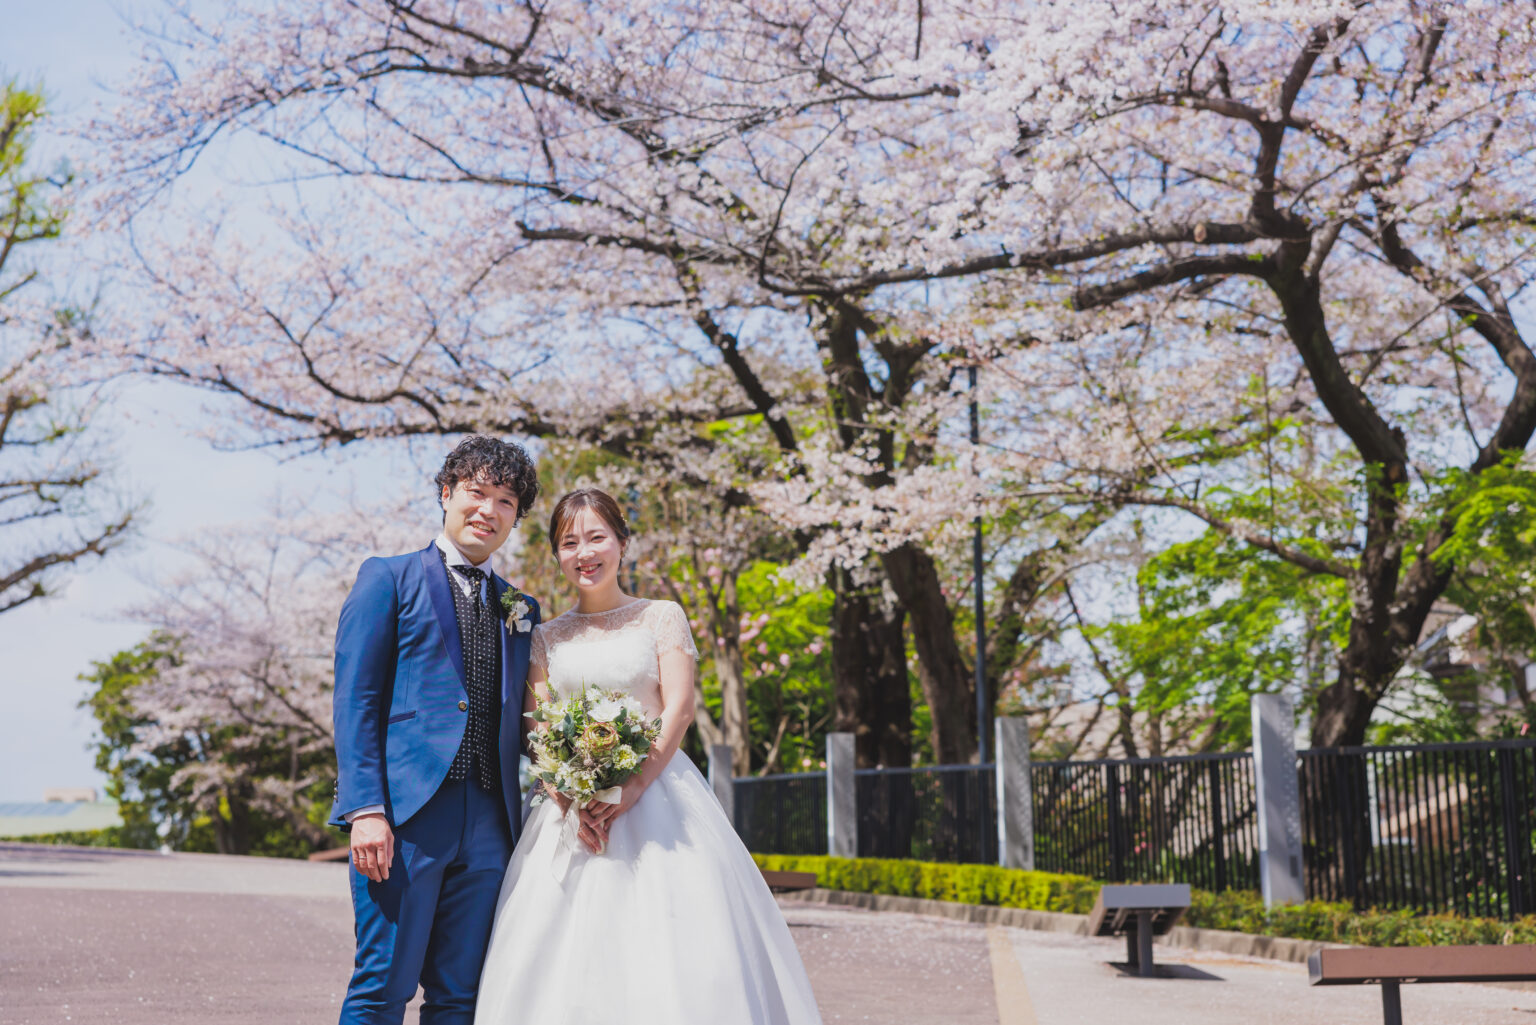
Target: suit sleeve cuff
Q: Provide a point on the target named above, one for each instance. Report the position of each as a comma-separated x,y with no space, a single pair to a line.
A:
367,809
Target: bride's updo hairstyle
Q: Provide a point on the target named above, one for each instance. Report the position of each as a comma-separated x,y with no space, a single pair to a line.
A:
600,502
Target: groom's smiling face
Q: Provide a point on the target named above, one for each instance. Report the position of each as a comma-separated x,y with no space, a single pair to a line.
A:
478,516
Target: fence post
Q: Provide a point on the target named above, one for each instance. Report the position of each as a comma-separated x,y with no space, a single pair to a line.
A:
720,780
1279,800
842,797
1015,801
1513,834
1218,828
1116,823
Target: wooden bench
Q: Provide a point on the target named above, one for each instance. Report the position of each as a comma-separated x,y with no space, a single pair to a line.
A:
1140,912
1390,967
780,882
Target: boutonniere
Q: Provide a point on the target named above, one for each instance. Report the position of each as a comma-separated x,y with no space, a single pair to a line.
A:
515,606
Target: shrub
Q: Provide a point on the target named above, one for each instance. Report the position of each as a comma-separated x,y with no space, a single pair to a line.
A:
966,884
1234,910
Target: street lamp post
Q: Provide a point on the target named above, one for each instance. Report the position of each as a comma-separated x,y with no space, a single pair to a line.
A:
981,608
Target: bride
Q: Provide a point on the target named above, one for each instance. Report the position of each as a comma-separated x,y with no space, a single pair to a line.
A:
672,924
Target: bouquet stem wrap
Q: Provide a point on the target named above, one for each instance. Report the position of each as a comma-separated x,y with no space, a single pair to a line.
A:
570,829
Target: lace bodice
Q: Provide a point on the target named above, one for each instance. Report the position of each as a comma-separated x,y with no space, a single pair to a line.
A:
619,649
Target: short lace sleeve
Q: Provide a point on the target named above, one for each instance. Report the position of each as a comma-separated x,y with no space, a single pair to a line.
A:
538,651
669,623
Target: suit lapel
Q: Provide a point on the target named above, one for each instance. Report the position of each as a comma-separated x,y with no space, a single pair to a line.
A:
510,741
508,640
442,604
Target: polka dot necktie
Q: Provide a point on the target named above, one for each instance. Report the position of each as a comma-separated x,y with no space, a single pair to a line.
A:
476,580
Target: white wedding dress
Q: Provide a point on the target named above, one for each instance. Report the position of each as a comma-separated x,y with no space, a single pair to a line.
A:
673,925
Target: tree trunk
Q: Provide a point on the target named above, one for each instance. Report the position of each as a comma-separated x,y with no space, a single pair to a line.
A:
869,671
947,682
733,687
232,825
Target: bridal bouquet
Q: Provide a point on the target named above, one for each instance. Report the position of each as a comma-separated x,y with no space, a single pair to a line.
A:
588,746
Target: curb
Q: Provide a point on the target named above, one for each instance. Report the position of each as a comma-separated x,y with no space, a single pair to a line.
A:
1275,948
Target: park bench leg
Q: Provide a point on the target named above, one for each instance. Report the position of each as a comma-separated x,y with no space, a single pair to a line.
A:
1144,944
1391,1003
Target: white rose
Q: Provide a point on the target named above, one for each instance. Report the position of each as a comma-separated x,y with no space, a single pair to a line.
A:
605,710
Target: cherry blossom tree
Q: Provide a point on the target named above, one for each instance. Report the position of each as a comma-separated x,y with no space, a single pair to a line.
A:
1323,207
245,689
51,487
639,195
1194,244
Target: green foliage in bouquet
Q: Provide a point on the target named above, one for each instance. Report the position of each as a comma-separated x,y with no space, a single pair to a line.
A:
589,743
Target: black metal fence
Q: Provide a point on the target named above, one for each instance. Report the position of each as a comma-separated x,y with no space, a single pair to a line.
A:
940,813
1432,827
783,814
1185,820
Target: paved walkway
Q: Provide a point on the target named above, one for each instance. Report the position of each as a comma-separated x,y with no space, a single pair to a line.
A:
188,939
1070,981
146,939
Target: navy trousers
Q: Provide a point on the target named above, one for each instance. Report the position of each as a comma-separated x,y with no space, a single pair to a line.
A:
430,921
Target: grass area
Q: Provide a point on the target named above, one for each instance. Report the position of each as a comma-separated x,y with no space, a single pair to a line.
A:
1240,911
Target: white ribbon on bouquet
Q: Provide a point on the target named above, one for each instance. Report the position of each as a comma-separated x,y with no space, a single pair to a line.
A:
570,830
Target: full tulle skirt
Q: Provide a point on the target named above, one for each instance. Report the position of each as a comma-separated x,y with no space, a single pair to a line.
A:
672,925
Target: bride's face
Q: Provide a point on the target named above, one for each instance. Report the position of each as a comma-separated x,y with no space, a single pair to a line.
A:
589,552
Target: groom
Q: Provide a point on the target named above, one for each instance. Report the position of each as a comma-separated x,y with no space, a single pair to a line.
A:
428,714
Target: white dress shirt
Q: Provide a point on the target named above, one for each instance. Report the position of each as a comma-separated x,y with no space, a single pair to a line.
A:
453,557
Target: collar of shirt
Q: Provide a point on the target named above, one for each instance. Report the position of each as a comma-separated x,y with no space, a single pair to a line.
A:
453,557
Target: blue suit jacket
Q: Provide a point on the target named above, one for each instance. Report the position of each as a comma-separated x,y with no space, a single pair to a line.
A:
400,683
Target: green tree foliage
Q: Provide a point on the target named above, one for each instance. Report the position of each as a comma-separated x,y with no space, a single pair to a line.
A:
789,673
1217,622
1492,555
158,805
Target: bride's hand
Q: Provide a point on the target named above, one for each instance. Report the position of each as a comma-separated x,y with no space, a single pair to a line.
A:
604,814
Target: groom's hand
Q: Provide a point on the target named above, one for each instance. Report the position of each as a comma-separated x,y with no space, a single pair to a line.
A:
373,846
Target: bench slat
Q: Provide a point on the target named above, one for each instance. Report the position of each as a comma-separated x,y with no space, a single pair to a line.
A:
1358,965
1114,910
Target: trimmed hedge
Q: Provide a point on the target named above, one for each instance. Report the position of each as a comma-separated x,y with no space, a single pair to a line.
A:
966,884
1235,910
1244,911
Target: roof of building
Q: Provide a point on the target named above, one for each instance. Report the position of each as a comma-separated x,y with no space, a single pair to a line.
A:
44,818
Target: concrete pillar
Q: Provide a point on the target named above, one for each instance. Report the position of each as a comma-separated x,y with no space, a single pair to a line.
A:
842,798
1279,800
720,779
1015,803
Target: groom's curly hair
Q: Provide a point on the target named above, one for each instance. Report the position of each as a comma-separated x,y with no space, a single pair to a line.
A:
488,460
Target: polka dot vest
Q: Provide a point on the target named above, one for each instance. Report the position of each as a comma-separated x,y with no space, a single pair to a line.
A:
480,639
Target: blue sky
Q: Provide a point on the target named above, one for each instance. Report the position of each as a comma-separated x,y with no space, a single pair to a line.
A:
75,49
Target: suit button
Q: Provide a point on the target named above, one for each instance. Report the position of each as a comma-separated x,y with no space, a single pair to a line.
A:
463,706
